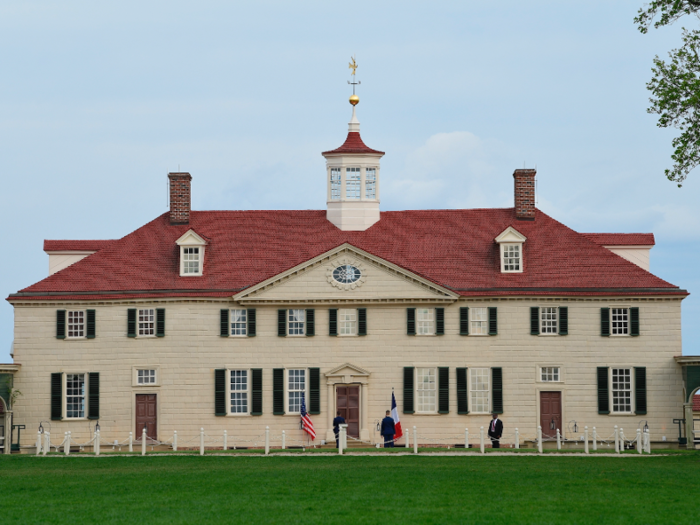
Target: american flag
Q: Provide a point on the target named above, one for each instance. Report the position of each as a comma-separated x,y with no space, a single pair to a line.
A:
306,423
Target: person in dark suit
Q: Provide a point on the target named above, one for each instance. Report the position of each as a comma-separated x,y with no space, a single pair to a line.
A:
388,430
495,431
339,420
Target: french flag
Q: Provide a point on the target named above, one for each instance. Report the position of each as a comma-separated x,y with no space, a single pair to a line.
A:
395,417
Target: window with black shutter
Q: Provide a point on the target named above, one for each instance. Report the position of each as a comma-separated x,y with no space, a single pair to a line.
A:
603,390
462,392
634,321
252,322
94,395
497,390
411,322
220,392
362,321
640,390
439,321
90,325
605,322
443,390
534,320
160,322
408,390
310,322
493,320
333,321
60,324
223,322
131,322
563,320
282,323
256,389
464,321
56,397
314,391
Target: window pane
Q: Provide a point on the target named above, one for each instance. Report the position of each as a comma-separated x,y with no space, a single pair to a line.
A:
347,322
76,324
550,373
296,322
548,320
190,260
622,389
239,391
147,322
352,183
425,321
479,389
239,322
371,183
146,377
296,385
620,318
75,395
335,184
426,389
479,321
511,257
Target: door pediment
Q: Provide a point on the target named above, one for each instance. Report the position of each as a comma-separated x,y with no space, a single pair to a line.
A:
347,373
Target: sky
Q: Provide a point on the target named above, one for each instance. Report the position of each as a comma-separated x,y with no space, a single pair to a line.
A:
100,100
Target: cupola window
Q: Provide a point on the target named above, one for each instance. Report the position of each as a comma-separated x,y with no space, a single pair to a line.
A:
371,183
335,184
352,183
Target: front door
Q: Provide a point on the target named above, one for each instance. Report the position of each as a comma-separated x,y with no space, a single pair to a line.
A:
550,413
348,404
146,415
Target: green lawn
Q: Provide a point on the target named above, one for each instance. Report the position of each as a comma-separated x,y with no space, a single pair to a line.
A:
332,489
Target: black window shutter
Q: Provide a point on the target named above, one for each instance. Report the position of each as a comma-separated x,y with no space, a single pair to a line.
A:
60,324
493,320
56,397
314,391
224,323
462,394
640,390
310,322
634,321
439,321
408,390
160,322
257,391
443,390
90,324
603,393
411,324
563,320
220,392
131,322
362,321
605,324
497,390
282,323
278,391
333,321
94,395
252,324
534,320
464,321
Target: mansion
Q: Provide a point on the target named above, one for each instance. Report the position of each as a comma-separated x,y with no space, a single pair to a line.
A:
227,320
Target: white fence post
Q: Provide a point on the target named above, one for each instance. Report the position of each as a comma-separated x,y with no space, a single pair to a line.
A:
143,441
96,448
595,439
47,442
131,441
617,449
517,438
415,440
66,447
174,440
622,440
341,429
466,438
225,440
585,439
408,438
267,440
38,442
539,438
639,441
558,440
284,440
481,440
201,441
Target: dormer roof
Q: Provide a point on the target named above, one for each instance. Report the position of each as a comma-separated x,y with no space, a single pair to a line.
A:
510,234
190,238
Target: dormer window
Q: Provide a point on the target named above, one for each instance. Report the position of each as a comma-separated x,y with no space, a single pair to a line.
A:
191,254
511,250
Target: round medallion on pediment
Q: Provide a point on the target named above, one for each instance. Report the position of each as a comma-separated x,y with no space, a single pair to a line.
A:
346,274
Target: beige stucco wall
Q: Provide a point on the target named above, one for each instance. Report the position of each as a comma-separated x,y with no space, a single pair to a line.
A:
192,348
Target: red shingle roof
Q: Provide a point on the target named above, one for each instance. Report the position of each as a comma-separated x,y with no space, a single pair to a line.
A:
453,248
78,246
621,239
353,144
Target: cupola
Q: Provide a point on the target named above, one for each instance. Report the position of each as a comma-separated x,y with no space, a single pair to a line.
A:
352,175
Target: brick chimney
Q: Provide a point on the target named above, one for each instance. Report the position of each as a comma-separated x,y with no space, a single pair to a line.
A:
525,194
180,201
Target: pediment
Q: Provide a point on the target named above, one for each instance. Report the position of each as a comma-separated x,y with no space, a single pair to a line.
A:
190,238
347,369
374,280
510,234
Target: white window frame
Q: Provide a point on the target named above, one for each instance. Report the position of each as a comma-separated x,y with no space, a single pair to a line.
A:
336,183
472,321
297,322
240,325
627,322
472,404
191,240
83,324
425,326
142,374
356,183
138,322
135,376
84,396
504,248
230,391
287,390
371,184
347,327
549,371
630,370
190,254
542,320
419,391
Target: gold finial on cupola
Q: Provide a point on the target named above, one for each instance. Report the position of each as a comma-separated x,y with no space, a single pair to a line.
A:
354,99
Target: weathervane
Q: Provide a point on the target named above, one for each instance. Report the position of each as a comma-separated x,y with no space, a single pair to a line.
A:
354,99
